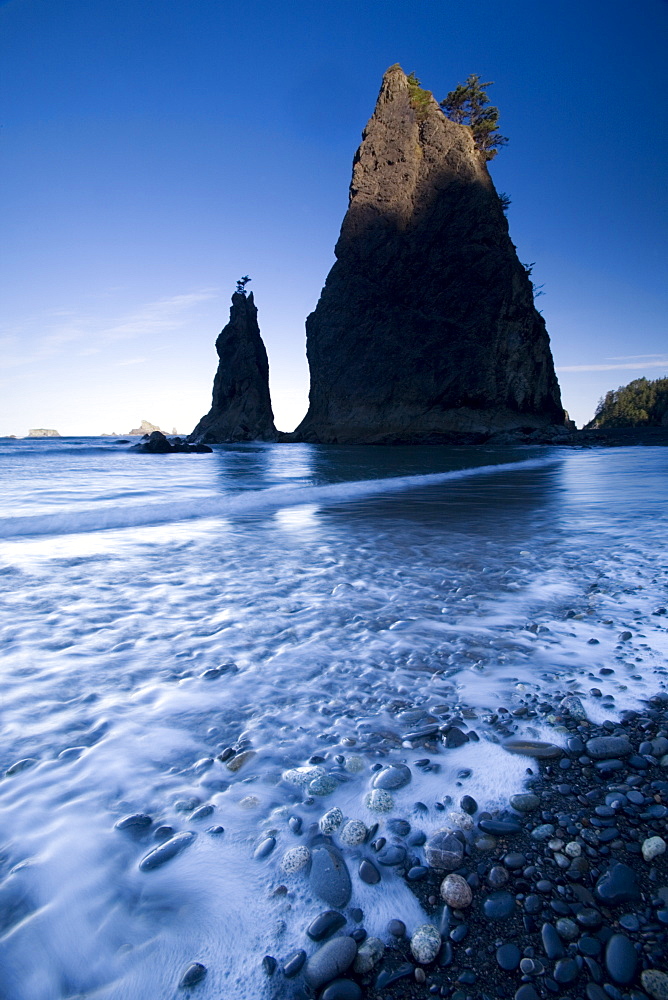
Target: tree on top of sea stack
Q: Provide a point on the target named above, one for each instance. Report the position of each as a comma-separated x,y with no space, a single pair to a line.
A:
468,104
241,405
426,329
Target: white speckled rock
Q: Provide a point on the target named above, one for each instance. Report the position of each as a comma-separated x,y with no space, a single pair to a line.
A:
456,892
302,776
296,859
324,784
655,983
460,820
354,764
378,800
652,847
425,944
331,821
573,849
353,832
369,954
249,802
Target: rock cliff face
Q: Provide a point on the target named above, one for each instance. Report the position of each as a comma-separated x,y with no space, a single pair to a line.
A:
426,328
241,407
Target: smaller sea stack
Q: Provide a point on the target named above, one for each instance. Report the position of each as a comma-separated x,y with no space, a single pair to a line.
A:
241,406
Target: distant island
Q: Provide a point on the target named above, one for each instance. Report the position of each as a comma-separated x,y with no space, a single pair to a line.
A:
43,432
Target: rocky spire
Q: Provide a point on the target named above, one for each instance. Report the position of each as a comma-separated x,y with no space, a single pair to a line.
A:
241,407
426,327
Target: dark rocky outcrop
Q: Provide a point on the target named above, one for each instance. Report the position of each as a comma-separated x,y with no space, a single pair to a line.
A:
157,444
241,407
426,328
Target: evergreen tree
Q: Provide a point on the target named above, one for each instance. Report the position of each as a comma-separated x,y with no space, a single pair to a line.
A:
468,104
640,403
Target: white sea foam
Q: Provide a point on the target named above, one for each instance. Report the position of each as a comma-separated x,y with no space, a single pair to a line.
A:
342,606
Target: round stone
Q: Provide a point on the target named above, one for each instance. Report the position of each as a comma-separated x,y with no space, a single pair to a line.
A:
392,854
369,873
653,847
567,929
525,802
353,832
302,776
324,784
354,764
618,885
249,802
655,983
621,959
499,905
165,852
566,970
331,960
508,957
393,776
460,820
397,928
342,989
497,877
378,800
325,924
264,848
499,827
193,975
443,850
296,859
603,747
573,849
533,748
543,832
369,954
331,821
330,877
135,822
456,892
425,944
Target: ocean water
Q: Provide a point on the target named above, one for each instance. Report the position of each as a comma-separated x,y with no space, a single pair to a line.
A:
350,595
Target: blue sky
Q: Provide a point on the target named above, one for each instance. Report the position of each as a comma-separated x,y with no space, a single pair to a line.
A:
155,150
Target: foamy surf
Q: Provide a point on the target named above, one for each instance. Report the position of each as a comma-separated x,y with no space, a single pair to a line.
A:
336,625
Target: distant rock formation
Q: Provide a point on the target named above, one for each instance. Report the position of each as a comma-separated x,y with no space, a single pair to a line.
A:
426,328
241,407
43,432
145,427
157,444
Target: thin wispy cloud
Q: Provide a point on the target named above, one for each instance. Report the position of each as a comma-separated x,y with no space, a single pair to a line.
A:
636,362
59,332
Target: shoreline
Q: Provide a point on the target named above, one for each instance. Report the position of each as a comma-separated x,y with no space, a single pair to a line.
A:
566,886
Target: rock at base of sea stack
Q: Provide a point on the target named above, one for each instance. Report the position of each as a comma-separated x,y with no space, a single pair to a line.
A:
426,329
241,405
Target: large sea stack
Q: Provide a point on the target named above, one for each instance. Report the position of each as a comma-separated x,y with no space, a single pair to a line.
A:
426,328
241,407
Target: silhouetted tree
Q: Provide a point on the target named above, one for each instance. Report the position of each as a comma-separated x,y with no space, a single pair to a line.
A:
468,104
